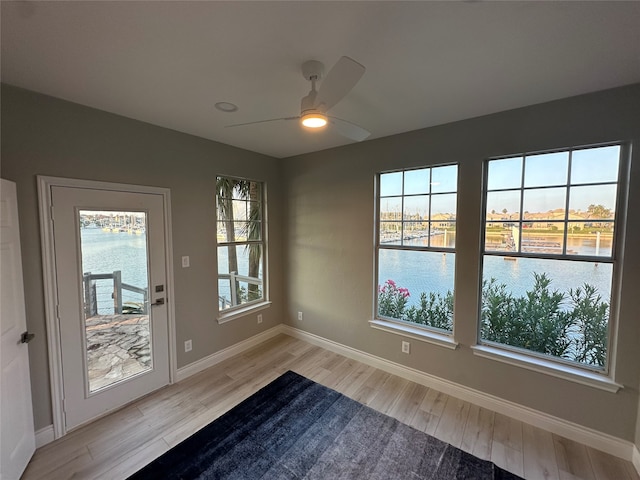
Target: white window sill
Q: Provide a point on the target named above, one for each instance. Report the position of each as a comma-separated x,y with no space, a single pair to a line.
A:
416,333
559,370
227,316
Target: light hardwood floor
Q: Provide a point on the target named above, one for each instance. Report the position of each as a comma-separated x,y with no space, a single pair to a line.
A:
119,444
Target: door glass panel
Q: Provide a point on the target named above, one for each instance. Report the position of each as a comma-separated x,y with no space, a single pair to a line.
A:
115,283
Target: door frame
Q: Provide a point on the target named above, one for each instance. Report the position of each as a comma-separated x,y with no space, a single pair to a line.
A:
51,289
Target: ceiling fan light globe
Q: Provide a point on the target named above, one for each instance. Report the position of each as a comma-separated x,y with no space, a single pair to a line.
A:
313,120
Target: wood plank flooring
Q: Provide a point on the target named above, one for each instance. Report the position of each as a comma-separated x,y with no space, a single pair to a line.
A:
119,444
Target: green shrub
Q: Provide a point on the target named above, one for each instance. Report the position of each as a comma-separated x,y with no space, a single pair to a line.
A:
434,311
572,326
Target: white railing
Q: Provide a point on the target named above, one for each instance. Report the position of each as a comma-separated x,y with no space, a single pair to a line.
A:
234,279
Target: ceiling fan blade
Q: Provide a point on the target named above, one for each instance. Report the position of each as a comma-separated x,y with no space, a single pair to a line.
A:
348,129
262,121
339,81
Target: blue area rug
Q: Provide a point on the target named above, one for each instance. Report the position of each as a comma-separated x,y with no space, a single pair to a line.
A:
295,428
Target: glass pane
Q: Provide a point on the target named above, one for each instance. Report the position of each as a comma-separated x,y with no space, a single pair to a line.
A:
416,233
225,234
391,208
416,287
501,237
590,238
114,256
254,230
443,234
416,181
416,207
444,179
503,205
558,308
255,192
238,231
597,202
255,212
505,173
390,184
391,232
546,169
595,165
544,237
240,210
239,274
443,207
544,204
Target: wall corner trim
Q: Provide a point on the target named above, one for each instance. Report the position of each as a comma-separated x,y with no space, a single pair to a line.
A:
590,437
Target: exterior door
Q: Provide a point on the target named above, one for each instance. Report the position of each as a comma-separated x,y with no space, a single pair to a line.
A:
109,249
17,442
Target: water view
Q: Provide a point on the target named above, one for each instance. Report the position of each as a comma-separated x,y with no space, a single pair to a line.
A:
434,272
104,251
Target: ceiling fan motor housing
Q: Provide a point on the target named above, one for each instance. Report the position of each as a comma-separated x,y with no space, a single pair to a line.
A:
312,69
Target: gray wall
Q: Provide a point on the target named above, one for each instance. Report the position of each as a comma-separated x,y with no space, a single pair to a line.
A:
46,136
330,230
327,227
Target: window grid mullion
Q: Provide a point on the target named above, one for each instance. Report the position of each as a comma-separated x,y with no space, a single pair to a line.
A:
524,160
430,222
565,235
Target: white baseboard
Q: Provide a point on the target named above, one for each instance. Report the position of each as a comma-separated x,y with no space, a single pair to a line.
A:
587,436
635,459
44,435
228,352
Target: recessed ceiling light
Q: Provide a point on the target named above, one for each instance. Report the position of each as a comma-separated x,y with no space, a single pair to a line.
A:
226,107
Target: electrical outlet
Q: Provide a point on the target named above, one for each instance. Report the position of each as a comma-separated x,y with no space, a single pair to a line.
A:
406,346
188,346
259,318
300,316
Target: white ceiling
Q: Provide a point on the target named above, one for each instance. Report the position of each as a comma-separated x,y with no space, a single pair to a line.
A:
428,63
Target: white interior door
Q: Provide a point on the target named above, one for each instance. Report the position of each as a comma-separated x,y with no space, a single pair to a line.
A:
111,283
17,442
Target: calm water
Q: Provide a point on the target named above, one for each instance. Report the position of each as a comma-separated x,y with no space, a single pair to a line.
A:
419,271
104,252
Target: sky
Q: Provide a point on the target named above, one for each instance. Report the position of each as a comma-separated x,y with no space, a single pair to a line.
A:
545,177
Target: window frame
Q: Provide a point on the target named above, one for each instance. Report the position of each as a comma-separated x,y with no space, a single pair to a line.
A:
239,310
406,328
557,366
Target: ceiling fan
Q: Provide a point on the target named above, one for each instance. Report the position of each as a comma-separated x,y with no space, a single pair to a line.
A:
314,107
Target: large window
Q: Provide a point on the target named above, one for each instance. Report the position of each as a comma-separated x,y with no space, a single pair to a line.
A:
549,252
241,244
415,246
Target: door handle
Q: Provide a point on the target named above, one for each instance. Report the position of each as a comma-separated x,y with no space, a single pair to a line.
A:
26,337
159,301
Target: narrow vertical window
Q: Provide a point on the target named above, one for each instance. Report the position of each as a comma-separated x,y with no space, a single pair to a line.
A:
241,243
416,246
549,253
